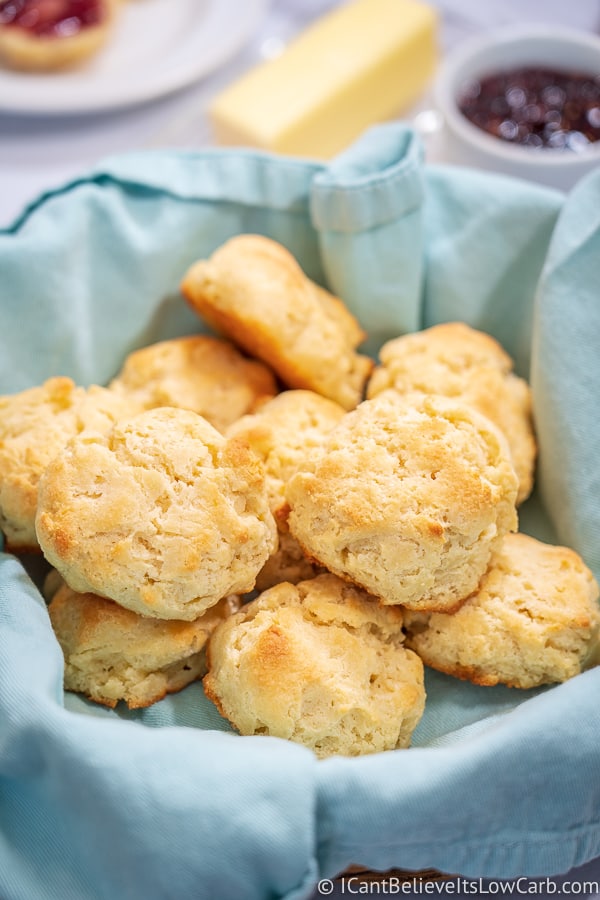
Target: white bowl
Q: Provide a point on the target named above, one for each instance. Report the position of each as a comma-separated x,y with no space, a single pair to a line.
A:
463,143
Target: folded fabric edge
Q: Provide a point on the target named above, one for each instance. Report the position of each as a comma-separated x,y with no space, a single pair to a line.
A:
53,759
376,181
556,802
260,178
236,176
499,857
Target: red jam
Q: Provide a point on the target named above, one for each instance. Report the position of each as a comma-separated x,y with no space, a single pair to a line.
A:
51,18
536,107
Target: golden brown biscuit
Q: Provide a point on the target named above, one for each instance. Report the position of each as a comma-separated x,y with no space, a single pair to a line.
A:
35,425
113,654
533,620
288,563
320,663
455,360
254,291
283,432
162,515
408,498
56,34
201,373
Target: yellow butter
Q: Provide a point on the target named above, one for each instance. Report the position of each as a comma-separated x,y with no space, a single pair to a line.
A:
363,63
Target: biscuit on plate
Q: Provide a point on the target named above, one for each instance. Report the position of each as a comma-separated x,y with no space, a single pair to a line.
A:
114,654
282,433
35,425
321,663
40,36
253,291
408,498
533,620
201,373
162,515
455,360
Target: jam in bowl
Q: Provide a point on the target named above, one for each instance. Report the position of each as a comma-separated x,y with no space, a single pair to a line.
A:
535,106
523,101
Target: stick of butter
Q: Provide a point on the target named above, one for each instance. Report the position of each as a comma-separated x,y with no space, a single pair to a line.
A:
361,64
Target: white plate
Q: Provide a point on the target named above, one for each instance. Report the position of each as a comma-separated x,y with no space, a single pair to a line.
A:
157,47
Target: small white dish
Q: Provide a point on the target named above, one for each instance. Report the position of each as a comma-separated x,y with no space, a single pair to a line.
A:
158,47
463,143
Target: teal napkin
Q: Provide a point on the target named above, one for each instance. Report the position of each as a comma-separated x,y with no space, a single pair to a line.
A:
169,802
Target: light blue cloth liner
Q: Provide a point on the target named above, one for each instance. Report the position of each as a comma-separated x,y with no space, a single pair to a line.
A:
168,802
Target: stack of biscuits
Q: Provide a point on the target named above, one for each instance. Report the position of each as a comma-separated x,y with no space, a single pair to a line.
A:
231,508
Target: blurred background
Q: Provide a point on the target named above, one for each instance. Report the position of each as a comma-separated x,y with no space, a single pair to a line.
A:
43,144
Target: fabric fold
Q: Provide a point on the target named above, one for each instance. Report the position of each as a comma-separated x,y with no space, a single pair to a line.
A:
496,801
378,180
486,239
566,372
367,207
103,808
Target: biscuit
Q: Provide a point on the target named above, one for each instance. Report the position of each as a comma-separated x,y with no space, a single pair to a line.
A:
57,46
320,663
35,425
113,654
282,433
52,583
254,291
408,498
162,515
201,373
534,620
288,563
457,361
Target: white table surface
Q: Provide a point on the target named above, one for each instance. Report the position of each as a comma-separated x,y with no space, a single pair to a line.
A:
38,153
